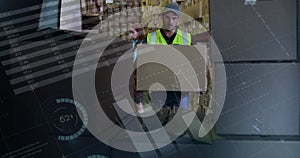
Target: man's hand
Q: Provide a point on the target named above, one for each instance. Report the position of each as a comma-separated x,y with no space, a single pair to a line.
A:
139,107
134,34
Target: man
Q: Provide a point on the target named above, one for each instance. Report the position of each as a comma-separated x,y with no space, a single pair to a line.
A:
168,34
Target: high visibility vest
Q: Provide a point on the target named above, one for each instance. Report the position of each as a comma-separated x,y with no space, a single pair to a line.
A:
181,38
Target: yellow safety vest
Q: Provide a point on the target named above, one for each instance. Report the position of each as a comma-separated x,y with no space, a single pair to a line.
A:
181,38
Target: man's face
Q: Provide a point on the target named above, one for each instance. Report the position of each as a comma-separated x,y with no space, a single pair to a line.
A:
170,20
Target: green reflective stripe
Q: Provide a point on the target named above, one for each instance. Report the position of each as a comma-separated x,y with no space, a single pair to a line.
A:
153,38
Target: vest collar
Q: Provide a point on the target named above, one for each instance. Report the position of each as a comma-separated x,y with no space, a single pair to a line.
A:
171,39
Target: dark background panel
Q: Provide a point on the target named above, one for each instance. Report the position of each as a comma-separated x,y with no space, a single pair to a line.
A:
261,99
31,143
265,31
257,149
24,114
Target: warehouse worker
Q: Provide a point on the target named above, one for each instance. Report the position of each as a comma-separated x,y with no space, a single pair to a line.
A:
167,35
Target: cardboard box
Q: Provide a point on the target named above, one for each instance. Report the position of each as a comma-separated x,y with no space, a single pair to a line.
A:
182,64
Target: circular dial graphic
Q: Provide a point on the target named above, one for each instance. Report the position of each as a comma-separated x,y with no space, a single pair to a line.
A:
65,119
